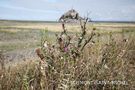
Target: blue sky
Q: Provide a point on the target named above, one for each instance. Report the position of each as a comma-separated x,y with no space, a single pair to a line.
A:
51,10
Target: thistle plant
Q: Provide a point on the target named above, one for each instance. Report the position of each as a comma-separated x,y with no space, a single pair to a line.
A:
66,48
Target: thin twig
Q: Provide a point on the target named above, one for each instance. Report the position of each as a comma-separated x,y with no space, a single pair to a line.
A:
88,40
83,27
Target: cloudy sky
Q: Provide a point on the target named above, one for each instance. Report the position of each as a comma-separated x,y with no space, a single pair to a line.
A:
51,10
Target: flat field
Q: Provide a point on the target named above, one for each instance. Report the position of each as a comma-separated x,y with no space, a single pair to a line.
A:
19,39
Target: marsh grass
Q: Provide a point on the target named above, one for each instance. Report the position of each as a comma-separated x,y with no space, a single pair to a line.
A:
98,65
113,61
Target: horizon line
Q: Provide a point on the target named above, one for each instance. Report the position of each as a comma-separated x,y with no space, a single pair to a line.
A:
58,21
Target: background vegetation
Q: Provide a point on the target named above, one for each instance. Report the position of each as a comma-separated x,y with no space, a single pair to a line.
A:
108,56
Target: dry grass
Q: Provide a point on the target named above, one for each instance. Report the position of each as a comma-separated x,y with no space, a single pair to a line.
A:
98,65
113,61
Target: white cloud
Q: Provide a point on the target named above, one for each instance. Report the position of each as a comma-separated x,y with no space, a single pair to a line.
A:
51,1
101,10
28,9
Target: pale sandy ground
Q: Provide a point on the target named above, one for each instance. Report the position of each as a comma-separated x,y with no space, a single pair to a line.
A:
56,27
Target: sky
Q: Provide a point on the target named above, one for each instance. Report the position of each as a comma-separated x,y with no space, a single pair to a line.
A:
51,10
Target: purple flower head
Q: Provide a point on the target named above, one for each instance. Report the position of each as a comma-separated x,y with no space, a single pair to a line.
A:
65,49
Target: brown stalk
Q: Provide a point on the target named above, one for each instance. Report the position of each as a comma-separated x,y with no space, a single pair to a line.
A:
88,40
83,28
